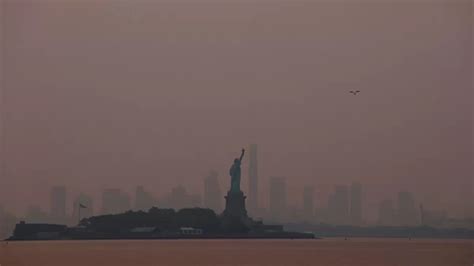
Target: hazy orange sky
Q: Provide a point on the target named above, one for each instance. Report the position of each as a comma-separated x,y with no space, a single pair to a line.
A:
103,94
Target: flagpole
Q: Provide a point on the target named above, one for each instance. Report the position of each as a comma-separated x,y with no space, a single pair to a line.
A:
79,215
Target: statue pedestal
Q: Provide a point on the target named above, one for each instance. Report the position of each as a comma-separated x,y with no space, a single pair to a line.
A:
235,205
234,218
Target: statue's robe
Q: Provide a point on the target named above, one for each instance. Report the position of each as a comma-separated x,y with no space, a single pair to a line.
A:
235,177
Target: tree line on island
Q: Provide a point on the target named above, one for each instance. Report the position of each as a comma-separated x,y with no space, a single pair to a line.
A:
164,220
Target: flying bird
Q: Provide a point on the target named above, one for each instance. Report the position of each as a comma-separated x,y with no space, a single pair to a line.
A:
354,92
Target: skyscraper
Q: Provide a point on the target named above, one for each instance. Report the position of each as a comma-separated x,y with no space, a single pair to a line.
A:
253,179
308,203
278,203
356,204
143,199
338,206
7,223
34,214
179,198
58,204
386,213
212,192
407,211
115,201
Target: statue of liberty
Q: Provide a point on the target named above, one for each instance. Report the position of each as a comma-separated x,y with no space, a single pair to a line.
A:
235,174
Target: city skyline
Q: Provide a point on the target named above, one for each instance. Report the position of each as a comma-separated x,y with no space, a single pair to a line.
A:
341,198
156,94
114,201
343,205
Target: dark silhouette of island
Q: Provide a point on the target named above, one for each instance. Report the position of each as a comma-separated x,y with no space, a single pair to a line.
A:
163,220
155,224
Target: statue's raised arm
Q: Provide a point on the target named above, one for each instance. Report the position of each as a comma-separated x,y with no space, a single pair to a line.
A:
235,174
242,155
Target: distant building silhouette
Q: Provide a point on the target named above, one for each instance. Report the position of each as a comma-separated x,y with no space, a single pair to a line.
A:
143,199
87,202
213,198
34,214
407,211
356,204
321,215
434,218
179,198
308,203
386,213
278,204
295,214
58,204
7,223
253,180
115,201
338,206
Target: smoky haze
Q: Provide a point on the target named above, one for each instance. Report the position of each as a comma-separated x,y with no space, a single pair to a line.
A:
100,94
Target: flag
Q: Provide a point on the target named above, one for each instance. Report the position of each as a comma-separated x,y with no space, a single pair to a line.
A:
82,206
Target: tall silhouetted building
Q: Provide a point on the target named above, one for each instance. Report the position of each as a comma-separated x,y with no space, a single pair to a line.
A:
87,209
308,203
179,198
407,211
321,215
356,204
253,179
58,204
34,214
278,207
386,213
295,214
143,199
7,223
434,218
338,206
212,192
115,201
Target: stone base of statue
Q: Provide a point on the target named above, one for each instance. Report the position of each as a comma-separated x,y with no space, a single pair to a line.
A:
235,205
235,218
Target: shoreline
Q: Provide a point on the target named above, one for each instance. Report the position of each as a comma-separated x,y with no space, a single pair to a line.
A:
174,237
